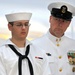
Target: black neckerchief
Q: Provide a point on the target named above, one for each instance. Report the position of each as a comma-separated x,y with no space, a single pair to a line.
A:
21,57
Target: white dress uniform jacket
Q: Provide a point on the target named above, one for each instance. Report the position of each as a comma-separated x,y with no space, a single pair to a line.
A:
9,60
58,60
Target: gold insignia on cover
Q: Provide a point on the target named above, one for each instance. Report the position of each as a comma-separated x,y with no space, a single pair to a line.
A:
63,10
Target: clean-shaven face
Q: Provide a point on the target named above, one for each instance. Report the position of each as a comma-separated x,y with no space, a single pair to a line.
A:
58,26
19,29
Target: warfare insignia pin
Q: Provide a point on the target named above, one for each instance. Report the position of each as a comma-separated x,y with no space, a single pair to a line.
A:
48,54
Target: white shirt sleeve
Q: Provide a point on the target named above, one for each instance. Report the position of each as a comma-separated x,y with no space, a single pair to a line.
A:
2,68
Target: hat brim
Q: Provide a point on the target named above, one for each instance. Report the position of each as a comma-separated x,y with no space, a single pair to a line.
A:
59,4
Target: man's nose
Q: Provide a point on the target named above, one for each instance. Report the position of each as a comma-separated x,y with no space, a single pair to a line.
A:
23,26
61,20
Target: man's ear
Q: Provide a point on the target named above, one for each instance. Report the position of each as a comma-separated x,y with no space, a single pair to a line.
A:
50,18
9,26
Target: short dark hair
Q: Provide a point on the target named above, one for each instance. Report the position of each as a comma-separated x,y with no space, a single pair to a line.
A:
11,23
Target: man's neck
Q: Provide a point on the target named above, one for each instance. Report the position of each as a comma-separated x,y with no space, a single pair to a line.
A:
19,43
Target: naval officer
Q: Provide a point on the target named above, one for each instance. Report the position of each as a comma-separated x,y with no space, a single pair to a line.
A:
57,46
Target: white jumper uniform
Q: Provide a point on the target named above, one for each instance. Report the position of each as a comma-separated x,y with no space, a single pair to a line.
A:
9,60
57,49
2,41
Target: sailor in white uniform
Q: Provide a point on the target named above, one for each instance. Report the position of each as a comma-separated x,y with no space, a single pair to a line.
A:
17,55
59,48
